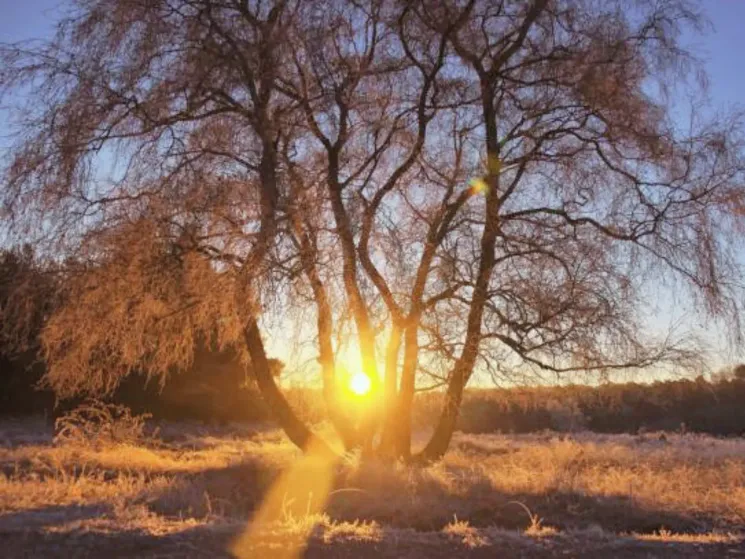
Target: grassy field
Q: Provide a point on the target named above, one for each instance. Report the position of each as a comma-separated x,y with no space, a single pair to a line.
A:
192,491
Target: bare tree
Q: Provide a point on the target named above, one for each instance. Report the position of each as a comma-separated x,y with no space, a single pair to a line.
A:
453,185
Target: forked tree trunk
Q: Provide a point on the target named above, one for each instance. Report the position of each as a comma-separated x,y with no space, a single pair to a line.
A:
443,433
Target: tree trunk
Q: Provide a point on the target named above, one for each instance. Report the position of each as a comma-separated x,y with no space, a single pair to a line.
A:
440,440
443,433
297,431
406,396
346,430
360,312
390,417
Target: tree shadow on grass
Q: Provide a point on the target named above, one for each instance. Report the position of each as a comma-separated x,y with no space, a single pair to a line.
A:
437,501
49,516
208,540
66,532
221,500
238,490
232,491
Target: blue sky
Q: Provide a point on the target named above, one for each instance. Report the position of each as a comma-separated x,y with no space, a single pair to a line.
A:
24,20
722,48
724,51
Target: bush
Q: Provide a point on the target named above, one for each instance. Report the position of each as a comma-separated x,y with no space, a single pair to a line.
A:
97,424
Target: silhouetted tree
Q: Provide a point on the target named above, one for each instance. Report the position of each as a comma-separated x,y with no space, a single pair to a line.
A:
452,184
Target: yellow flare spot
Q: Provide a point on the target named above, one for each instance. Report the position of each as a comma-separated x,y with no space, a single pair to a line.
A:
478,185
360,384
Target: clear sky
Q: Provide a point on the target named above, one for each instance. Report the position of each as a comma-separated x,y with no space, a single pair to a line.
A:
722,47
25,20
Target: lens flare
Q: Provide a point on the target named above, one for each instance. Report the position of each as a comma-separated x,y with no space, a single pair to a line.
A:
360,384
478,185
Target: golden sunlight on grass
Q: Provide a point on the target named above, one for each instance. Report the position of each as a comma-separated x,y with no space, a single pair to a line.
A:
296,499
360,384
246,489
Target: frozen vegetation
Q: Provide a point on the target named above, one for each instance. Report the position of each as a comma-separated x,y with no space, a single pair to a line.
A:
192,490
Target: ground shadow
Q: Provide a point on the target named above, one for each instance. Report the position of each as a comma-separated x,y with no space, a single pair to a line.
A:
237,491
32,540
222,500
50,516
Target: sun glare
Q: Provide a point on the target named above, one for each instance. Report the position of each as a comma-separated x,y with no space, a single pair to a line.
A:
478,185
360,384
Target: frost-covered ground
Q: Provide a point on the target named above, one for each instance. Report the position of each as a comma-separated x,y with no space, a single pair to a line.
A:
192,492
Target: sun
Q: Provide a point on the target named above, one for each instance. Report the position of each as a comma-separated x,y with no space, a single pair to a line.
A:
360,384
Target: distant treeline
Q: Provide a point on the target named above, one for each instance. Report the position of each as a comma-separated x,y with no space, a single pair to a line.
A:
715,407
219,387
217,391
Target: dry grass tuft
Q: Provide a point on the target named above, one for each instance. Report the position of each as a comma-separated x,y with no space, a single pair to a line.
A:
708,538
467,534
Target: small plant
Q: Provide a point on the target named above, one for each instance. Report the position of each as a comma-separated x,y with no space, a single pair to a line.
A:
536,527
469,536
96,423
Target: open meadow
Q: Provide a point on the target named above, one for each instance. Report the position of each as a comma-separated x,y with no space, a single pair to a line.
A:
192,490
